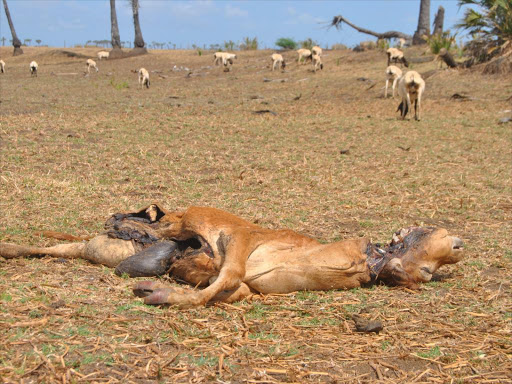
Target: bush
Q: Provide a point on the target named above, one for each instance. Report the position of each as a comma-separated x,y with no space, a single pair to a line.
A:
438,42
339,47
308,43
229,45
365,46
383,44
286,43
249,44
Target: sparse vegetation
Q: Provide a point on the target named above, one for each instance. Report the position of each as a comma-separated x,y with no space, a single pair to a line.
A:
308,43
249,44
437,42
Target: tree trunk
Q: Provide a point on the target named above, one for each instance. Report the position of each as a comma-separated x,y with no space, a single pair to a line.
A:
114,30
138,43
423,23
15,41
338,20
439,21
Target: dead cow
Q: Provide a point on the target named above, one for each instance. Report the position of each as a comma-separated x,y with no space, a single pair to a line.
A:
233,258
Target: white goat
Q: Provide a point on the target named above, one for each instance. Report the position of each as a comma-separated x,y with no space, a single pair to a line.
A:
103,55
224,58
143,77
2,66
410,88
277,61
33,68
304,53
396,56
393,74
317,62
91,64
316,50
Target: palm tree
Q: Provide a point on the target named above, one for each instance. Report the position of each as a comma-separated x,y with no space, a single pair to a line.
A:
138,43
491,27
116,39
15,41
423,23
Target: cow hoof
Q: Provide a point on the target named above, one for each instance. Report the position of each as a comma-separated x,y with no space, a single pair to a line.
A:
160,296
145,288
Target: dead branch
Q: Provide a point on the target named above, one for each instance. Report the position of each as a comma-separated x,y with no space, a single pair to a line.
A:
338,20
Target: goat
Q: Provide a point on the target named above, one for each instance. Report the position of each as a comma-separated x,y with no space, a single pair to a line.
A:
410,88
277,61
316,50
224,58
33,68
103,55
396,56
143,77
91,64
393,74
401,42
306,54
2,66
317,62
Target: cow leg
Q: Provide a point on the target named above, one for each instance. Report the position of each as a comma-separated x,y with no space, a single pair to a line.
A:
155,292
67,251
234,295
230,278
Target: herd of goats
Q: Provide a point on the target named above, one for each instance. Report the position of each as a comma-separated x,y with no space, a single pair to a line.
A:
410,84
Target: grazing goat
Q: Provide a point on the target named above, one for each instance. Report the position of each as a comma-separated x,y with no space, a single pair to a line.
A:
317,62
393,74
33,68
277,61
306,54
316,50
91,64
224,58
2,66
103,55
396,56
143,77
410,88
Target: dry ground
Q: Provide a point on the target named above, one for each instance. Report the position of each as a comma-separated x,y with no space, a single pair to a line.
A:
75,149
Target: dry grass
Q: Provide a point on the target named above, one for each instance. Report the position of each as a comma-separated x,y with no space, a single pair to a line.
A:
75,149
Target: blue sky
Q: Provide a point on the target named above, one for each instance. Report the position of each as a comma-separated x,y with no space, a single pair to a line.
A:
59,22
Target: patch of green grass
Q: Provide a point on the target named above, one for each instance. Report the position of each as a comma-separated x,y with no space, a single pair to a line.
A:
431,354
203,360
263,336
5,297
257,311
119,85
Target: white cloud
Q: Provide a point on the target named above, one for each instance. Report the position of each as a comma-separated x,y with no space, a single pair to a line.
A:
231,11
191,8
302,18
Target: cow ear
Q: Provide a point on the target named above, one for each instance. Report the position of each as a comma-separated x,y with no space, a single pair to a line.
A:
395,274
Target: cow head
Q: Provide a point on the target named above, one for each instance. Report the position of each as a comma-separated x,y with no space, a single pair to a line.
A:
416,253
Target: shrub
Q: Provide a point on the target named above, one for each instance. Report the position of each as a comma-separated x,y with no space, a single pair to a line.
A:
249,44
286,43
229,45
438,42
383,44
308,43
339,47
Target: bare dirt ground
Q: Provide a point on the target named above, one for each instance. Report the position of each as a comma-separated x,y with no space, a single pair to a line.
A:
333,162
